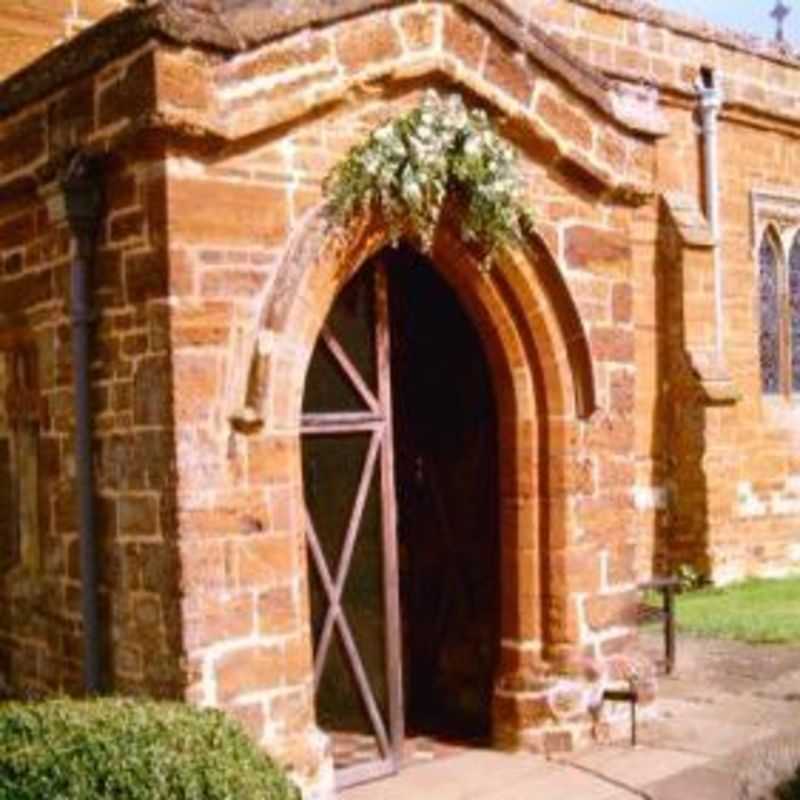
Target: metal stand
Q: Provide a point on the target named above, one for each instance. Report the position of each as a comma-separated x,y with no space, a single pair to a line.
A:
625,696
667,587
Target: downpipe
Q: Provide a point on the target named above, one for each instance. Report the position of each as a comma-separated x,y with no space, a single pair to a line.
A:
82,186
710,100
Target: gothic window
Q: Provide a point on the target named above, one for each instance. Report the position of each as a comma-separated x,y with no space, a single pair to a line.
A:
794,312
770,317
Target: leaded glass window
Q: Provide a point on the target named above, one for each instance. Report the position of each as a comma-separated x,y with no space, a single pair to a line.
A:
794,311
770,318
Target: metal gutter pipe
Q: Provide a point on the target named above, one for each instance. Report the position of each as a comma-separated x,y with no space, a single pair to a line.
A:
82,185
710,104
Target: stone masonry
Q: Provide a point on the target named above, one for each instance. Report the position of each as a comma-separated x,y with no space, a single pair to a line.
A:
629,445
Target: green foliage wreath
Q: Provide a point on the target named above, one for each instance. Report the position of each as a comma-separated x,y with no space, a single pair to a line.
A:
407,167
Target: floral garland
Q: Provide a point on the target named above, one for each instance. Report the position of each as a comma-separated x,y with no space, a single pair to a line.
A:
407,167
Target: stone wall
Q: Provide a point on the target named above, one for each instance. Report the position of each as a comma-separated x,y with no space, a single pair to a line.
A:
623,455
30,28
240,503
40,622
751,446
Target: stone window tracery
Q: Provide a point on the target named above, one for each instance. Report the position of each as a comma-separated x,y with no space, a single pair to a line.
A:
769,317
794,312
776,238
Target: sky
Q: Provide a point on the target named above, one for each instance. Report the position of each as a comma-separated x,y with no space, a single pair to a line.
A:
750,16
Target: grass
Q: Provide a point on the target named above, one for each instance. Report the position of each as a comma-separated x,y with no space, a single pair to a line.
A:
758,611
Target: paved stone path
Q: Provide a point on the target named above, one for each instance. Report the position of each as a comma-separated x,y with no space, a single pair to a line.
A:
725,698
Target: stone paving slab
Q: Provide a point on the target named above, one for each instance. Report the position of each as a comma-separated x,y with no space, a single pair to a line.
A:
487,775
635,767
699,783
725,699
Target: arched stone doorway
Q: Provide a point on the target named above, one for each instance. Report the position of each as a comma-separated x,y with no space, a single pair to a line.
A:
543,386
400,471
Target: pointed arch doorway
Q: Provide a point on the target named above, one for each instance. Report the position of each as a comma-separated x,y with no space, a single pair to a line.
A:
399,446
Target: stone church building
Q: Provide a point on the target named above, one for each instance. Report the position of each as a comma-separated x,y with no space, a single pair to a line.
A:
256,460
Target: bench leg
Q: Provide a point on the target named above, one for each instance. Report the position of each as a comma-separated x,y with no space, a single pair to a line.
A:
669,629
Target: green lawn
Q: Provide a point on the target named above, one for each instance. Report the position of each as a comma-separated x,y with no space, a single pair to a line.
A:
757,611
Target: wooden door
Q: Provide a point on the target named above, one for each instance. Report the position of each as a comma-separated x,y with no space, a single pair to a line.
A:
348,465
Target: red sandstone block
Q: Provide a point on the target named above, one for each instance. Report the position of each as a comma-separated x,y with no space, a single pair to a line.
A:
17,231
145,275
132,96
569,122
299,51
607,519
272,459
137,516
609,611
278,611
250,716
281,504
575,569
561,620
295,708
201,324
622,302
597,249
510,71
611,148
622,391
197,382
622,564
632,61
233,282
611,432
569,476
602,24
152,392
224,212
27,290
419,28
160,567
71,116
612,344
249,670
464,39
147,612
264,560
298,660
205,566
121,191
182,274
367,42
664,69
522,712
180,83
23,142
616,473
210,618
129,224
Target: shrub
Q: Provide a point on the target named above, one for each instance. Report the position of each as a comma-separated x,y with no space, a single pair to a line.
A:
773,771
136,750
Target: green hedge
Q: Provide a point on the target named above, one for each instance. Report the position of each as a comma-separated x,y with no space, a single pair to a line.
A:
130,750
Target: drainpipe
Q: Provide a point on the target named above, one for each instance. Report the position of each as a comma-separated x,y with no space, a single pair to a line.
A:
83,196
710,105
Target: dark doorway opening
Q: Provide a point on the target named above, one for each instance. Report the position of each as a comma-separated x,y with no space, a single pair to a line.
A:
400,476
445,436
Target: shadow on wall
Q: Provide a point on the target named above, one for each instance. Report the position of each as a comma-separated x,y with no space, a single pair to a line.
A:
679,444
